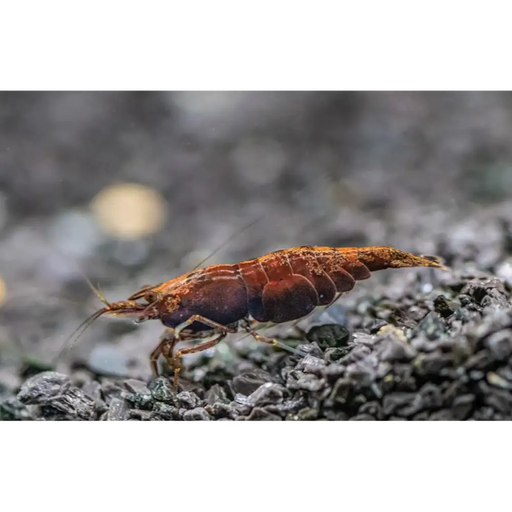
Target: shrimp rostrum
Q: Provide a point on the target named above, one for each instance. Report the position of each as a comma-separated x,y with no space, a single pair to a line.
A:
207,304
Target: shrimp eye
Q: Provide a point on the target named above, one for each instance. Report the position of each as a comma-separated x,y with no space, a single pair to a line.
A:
150,297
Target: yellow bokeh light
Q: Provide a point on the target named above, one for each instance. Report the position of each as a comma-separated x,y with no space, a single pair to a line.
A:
130,210
3,291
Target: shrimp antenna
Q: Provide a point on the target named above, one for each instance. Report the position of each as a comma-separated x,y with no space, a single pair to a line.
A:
249,225
75,335
94,289
234,235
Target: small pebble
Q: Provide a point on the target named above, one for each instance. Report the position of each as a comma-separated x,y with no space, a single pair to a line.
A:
248,382
197,414
55,390
266,394
188,399
162,390
136,386
162,411
118,410
329,336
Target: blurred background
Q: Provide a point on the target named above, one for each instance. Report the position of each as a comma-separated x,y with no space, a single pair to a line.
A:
138,188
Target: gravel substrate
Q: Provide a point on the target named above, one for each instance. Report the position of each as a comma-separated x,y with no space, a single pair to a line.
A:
418,345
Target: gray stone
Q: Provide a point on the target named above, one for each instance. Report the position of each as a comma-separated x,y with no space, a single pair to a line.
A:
248,382
136,386
197,414
266,394
188,399
163,391
55,390
118,410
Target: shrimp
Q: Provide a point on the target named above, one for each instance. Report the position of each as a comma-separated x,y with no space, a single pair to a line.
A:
281,286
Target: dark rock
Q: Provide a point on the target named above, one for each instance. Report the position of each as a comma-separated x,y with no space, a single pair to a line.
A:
395,350
163,391
307,382
453,390
505,372
335,354
479,288
266,394
476,375
432,397
335,415
221,410
312,349
373,409
500,344
421,343
248,382
427,365
240,399
443,306
163,411
498,381
442,415
457,373
329,336
43,388
307,414
359,399
484,414
118,410
140,401
462,406
361,375
93,389
188,399
298,401
383,369
111,389
341,391
138,415
404,378
333,372
216,394
136,386
499,399
240,408
376,326
197,414
311,364
55,390
358,353
481,361
432,326
261,414
486,292
396,401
